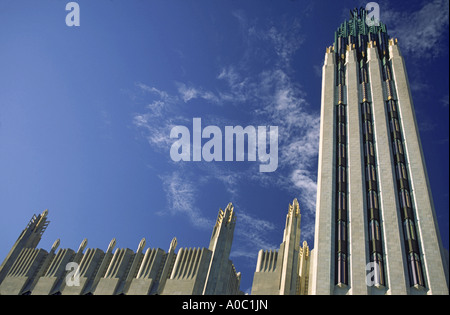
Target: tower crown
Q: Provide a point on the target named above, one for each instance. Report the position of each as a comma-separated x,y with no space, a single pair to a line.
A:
226,216
224,228
357,33
294,209
372,181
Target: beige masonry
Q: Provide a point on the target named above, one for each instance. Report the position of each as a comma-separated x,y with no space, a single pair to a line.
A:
390,220
291,269
357,218
284,271
199,271
322,264
436,269
322,279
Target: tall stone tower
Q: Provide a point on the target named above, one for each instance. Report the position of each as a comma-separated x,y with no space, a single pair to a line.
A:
220,245
207,271
29,238
284,271
29,270
376,229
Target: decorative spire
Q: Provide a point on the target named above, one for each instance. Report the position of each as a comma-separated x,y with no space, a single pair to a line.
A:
230,211
305,249
173,244
141,245
82,245
294,208
111,245
55,245
359,33
226,216
42,224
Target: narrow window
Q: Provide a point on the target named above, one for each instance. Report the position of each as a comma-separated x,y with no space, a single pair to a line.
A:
409,230
379,274
342,201
341,151
396,126
341,133
341,269
405,199
401,171
366,111
371,175
368,150
392,109
415,270
368,130
374,228
398,148
341,174
341,231
373,200
341,113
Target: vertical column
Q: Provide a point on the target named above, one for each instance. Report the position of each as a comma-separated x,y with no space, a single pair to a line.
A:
387,196
356,226
220,245
134,267
304,269
291,241
322,281
422,202
167,266
29,238
341,196
373,218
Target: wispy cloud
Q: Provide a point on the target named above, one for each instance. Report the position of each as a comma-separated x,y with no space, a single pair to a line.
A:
420,32
181,195
277,99
188,93
160,115
266,95
444,101
254,231
285,39
162,94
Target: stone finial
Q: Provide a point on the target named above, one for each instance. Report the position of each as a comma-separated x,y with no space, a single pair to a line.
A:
82,245
173,244
141,245
296,207
55,245
230,210
111,245
305,249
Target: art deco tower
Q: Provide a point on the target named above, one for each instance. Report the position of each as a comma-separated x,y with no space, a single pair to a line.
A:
29,238
376,228
284,271
193,271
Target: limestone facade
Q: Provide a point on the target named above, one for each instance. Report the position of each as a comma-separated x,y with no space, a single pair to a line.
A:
190,271
284,271
376,230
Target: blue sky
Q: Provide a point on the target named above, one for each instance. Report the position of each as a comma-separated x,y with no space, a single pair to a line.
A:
86,114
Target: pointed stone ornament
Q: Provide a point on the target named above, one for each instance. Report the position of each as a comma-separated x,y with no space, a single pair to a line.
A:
55,245
82,246
173,244
141,245
111,245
